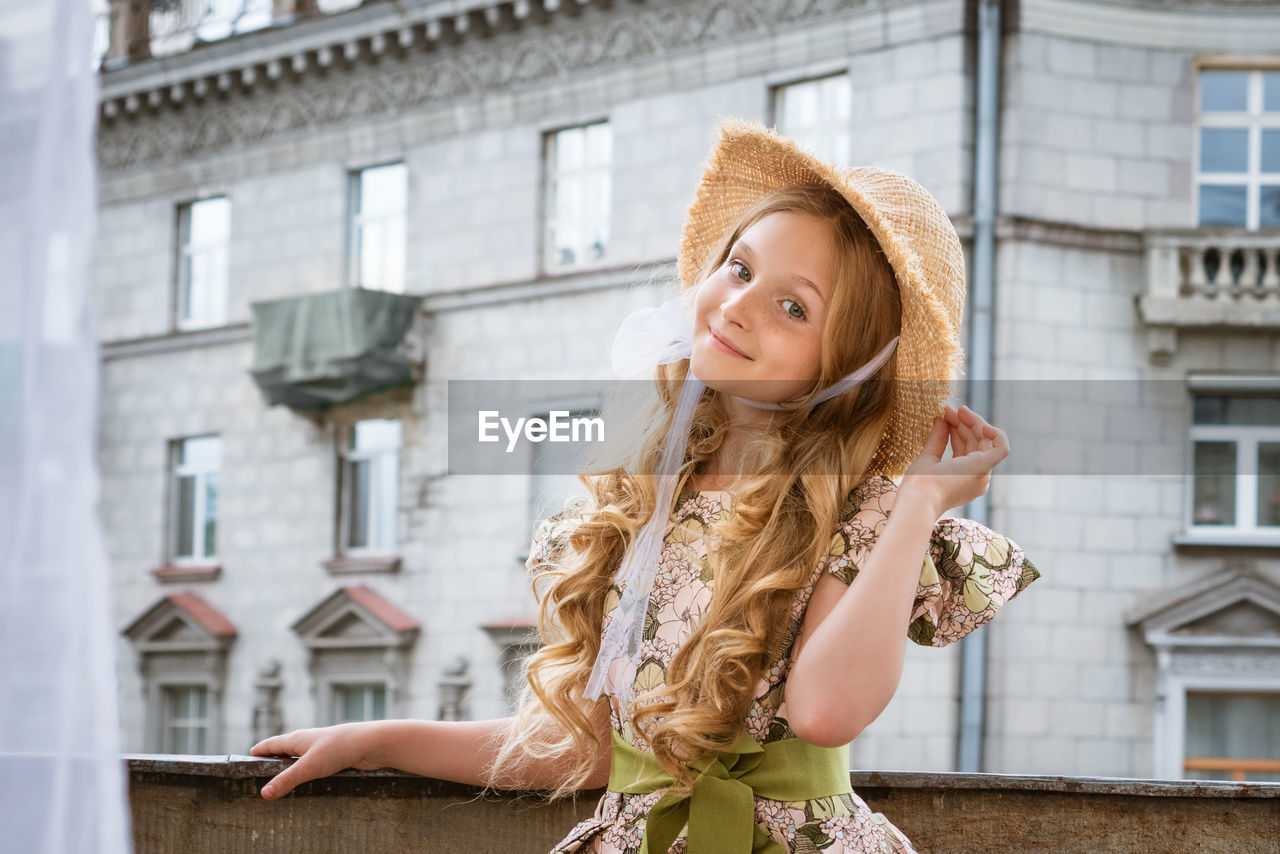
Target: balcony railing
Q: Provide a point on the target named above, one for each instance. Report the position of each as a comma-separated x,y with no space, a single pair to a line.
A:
210,805
1209,278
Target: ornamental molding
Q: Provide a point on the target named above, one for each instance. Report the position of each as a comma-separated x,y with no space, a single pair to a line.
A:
315,74
1237,609
1218,663
1195,26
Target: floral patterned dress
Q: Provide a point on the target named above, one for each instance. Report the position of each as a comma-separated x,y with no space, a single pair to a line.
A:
969,572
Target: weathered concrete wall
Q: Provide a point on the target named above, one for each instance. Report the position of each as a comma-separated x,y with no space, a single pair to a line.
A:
210,805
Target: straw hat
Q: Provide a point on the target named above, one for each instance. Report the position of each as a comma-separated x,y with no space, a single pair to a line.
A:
917,237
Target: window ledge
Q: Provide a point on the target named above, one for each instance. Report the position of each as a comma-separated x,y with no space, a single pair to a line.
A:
187,572
1227,539
358,564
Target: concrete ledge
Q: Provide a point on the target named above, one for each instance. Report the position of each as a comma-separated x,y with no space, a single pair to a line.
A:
197,804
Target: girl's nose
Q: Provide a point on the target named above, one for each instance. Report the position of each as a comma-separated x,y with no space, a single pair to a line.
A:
738,306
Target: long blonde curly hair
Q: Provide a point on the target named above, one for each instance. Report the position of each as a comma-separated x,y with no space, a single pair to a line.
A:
785,513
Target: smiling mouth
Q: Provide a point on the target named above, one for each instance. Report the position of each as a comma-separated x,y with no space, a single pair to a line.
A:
726,346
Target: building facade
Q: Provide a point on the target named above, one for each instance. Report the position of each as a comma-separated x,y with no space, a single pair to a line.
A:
500,182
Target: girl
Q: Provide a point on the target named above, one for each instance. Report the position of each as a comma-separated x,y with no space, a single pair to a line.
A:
710,657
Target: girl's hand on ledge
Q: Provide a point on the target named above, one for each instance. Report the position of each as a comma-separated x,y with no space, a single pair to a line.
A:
976,448
321,752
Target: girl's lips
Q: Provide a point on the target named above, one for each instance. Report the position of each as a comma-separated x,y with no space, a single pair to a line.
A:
726,347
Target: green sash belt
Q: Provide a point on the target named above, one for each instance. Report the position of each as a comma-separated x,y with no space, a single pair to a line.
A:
720,811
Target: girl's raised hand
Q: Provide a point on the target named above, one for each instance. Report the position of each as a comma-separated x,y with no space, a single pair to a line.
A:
976,448
320,752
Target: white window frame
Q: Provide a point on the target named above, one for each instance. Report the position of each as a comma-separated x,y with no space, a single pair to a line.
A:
824,138
351,455
1170,734
201,474
211,306
1246,438
337,688
1254,120
359,221
597,178
1251,692
169,721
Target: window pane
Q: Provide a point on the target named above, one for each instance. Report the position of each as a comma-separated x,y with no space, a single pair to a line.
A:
376,434
569,193
186,719
1270,150
1214,499
184,541
1256,411
371,240
361,703
383,190
1223,205
1224,150
599,145
1269,483
210,222
203,453
351,703
210,515
1224,91
1269,207
393,263
1232,726
388,500
1271,91
569,149
358,518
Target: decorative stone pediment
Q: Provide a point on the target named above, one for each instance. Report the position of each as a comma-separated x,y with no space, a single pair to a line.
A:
181,622
1237,607
356,617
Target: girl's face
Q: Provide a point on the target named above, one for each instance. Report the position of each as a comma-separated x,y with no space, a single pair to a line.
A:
758,318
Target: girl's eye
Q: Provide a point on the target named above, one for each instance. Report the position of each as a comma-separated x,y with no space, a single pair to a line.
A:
793,308
740,271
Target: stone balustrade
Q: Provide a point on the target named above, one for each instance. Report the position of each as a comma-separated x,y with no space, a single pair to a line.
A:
210,805
1211,279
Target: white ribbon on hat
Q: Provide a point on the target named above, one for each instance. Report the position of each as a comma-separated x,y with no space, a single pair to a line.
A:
648,338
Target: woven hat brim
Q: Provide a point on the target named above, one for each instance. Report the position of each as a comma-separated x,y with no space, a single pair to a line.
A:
749,161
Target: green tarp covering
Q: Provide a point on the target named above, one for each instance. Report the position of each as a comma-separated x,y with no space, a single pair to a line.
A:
322,349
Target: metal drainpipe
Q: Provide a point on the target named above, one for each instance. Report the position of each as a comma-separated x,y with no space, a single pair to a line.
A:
973,664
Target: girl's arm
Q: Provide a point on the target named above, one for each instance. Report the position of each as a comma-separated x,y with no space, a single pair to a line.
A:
460,751
848,659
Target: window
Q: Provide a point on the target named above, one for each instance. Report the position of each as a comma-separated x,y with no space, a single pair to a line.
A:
204,234
379,204
816,114
1238,169
195,498
371,485
578,188
186,719
182,643
359,703
555,471
1235,447
1233,736
358,651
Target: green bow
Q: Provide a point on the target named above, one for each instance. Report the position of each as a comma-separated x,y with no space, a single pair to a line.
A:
719,812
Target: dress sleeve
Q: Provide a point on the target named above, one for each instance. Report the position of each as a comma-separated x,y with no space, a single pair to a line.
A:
550,536
968,573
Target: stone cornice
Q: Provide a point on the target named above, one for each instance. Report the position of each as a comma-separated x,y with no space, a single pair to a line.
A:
414,52
1199,26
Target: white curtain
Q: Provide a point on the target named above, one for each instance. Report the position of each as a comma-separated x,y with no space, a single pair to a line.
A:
62,782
